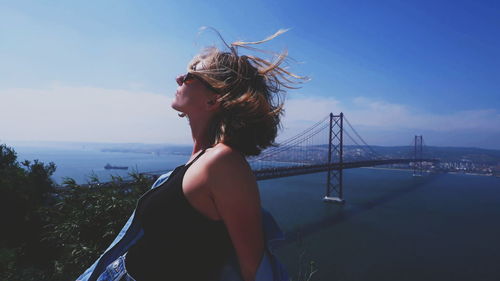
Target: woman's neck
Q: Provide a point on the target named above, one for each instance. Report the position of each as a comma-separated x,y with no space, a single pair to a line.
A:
200,133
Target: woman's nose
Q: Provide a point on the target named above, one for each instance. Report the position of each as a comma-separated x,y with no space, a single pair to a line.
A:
178,79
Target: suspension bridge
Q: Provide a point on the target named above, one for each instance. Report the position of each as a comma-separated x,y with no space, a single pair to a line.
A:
329,146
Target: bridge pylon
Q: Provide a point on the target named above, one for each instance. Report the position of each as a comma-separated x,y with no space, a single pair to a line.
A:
334,178
418,155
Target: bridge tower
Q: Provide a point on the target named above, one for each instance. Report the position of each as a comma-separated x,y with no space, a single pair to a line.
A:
334,181
418,155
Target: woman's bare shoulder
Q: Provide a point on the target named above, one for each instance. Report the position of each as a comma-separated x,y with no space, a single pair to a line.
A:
224,155
228,166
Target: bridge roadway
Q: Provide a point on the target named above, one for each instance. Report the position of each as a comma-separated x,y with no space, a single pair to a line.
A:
279,172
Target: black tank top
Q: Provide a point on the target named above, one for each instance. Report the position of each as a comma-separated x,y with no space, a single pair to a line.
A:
179,243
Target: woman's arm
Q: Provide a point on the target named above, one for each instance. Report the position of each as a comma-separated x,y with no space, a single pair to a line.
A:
236,196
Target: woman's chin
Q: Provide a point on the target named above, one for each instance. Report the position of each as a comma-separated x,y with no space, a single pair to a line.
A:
174,105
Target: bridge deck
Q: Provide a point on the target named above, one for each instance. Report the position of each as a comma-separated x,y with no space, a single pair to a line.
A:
279,172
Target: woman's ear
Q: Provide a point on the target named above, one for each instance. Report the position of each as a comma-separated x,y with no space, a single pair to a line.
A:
213,103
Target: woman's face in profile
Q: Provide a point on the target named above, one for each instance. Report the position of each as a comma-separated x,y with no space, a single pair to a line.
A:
191,95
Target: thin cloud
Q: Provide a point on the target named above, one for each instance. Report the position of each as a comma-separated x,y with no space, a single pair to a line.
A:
374,113
384,123
89,114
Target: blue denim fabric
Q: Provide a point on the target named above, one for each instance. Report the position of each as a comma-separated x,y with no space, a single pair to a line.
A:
116,271
270,269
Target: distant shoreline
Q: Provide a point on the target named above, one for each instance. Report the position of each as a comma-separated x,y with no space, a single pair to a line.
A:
453,173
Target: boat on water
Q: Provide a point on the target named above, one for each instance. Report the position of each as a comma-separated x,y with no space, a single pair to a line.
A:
110,167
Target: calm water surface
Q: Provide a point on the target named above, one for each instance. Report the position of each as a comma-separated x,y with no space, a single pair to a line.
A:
393,226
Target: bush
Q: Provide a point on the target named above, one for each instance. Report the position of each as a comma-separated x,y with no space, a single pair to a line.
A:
54,233
85,219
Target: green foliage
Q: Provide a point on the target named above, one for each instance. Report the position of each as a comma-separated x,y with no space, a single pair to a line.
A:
24,188
54,232
85,220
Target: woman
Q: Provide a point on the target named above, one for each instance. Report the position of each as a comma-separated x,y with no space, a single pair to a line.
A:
210,207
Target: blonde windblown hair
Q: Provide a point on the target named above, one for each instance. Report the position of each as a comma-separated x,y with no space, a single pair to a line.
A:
251,94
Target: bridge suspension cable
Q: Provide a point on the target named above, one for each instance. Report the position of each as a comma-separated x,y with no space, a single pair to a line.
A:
302,137
377,155
297,152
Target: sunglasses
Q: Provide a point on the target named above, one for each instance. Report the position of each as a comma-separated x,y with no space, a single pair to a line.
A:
186,78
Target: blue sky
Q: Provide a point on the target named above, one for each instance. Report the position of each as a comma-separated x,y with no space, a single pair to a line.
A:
104,70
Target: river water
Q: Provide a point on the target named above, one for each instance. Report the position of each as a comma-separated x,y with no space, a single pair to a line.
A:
392,227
